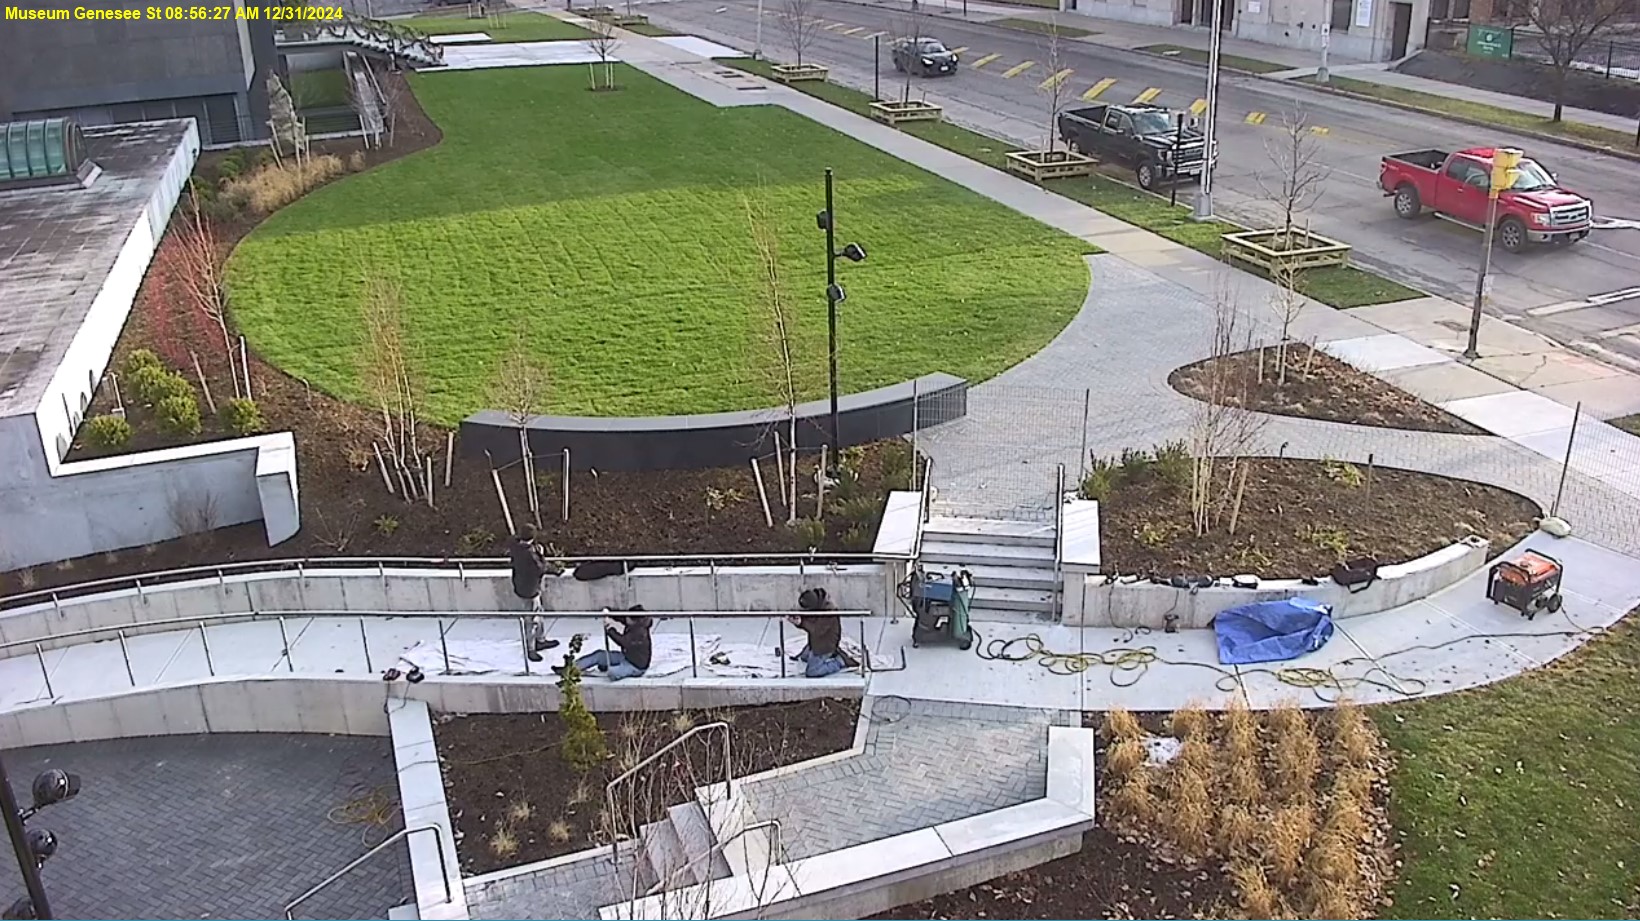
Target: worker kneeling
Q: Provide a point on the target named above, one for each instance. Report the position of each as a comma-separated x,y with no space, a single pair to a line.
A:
630,633
823,655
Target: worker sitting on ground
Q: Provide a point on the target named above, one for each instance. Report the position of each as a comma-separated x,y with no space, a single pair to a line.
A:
631,658
823,655
529,569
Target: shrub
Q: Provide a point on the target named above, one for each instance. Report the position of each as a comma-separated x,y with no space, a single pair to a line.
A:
582,747
355,161
242,417
1100,481
274,186
1135,463
142,358
476,542
860,510
857,539
108,432
153,384
808,533
386,524
1173,464
1188,723
1123,757
897,465
1119,725
179,414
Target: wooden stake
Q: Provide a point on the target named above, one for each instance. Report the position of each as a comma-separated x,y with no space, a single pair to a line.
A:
566,484
1369,475
430,465
245,363
762,494
820,486
382,464
506,513
119,402
1309,359
206,388
780,468
449,457
1261,367
1241,488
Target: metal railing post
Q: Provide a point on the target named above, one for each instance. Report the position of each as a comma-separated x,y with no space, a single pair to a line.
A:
712,569
284,639
524,642
126,655
1571,439
781,623
1059,543
865,651
210,667
443,866
694,663
1082,457
444,645
364,640
45,673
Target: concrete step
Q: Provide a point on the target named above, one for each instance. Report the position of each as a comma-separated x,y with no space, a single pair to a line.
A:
978,618
988,531
972,554
1031,578
695,836
408,912
1011,599
664,854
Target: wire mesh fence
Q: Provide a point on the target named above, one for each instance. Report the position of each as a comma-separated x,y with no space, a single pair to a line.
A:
999,458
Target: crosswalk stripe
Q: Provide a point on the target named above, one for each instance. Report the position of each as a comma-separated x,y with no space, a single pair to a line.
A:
1018,69
854,30
1147,95
1054,80
1094,91
1198,107
985,60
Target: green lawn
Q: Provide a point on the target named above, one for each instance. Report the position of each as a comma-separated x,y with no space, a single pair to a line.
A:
612,229
1339,287
516,26
1505,118
319,89
1043,28
1232,61
649,29
1630,424
1042,4
1522,800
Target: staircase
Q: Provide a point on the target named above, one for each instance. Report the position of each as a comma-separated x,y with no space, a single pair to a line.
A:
678,851
1012,563
376,37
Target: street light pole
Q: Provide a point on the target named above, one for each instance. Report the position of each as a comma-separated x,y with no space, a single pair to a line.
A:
1504,163
26,861
876,70
757,49
831,312
1204,196
1323,75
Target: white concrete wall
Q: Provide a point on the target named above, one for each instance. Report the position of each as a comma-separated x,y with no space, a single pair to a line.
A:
1297,24
1144,604
1147,12
864,587
54,510
437,878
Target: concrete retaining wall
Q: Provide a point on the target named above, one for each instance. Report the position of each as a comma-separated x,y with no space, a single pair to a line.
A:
716,439
1090,602
862,587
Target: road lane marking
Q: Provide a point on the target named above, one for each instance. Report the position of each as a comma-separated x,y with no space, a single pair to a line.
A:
1255,118
835,26
1094,90
1147,95
1198,107
959,50
1018,69
873,35
984,61
854,30
1615,223
1621,331
1597,300
1320,130
1054,80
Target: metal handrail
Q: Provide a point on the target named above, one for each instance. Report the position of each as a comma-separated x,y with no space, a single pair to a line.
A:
1059,543
609,788
443,866
925,508
460,564
215,619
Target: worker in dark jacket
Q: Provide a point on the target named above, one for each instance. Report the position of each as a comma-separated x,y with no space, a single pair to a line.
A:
823,655
634,648
529,568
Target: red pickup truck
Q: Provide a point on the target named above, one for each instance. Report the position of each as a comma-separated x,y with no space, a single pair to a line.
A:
1454,186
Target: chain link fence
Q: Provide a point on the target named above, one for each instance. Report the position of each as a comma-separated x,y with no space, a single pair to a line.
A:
1000,458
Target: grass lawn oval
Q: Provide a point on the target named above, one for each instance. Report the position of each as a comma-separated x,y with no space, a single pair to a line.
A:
612,230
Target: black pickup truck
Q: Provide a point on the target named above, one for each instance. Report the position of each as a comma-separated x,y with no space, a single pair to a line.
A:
1159,143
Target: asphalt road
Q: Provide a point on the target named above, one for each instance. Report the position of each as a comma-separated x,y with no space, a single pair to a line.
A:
1545,289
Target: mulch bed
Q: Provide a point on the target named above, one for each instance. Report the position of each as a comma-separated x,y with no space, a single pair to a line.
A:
1318,386
346,510
502,770
1300,517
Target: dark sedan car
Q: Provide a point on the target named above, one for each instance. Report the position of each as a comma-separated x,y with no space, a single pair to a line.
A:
927,57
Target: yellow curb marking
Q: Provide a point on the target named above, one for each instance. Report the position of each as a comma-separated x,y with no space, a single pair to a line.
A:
1018,69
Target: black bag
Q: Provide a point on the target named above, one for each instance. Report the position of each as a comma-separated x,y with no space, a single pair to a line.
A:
1356,574
593,570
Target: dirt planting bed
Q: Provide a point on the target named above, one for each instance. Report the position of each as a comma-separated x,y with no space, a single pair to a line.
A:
1273,815
515,800
346,509
1297,518
1317,386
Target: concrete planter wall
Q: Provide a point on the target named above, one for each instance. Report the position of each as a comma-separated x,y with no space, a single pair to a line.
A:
861,587
1092,603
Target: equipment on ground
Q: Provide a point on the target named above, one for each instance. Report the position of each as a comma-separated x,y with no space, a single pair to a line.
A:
1529,583
939,603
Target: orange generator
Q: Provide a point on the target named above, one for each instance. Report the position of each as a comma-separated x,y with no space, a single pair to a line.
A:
1529,583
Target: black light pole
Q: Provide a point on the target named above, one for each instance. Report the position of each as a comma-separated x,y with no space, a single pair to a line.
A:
26,861
853,252
876,81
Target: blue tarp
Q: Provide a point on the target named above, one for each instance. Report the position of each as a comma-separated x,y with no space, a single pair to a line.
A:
1272,631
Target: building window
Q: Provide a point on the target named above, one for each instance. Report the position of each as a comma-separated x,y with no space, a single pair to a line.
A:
1341,10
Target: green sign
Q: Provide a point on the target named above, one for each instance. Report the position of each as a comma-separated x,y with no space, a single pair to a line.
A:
1491,41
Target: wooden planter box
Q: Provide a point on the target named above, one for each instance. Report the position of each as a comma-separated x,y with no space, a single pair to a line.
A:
593,12
895,112
1308,250
621,19
1040,165
797,73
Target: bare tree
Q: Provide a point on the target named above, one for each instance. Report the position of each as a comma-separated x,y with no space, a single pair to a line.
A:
1567,27
1222,430
1294,184
909,28
603,44
778,322
289,133
800,26
391,383
520,390
198,272
1054,87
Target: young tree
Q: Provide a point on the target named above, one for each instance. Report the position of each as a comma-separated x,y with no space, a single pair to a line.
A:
778,322
196,264
392,385
520,390
908,29
1293,186
800,26
289,133
1567,27
1054,86
1222,431
603,43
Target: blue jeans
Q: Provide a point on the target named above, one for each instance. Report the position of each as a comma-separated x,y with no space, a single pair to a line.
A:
612,664
819,666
